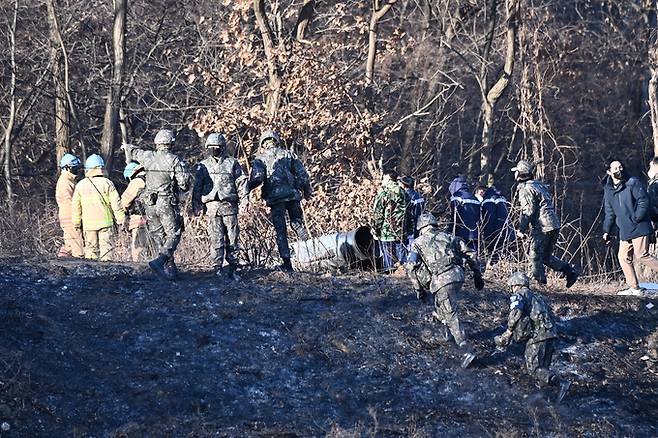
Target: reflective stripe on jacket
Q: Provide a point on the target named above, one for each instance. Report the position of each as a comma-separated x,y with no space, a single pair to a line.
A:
96,204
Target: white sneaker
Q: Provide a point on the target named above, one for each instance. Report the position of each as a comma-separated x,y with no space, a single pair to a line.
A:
633,292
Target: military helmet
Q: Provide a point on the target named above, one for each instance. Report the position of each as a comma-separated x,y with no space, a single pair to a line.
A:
131,169
215,140
267,135
425,220
94,161
164,136
518,279
69,160
523,167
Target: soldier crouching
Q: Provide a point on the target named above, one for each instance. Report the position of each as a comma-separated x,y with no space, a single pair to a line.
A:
435,264
531,320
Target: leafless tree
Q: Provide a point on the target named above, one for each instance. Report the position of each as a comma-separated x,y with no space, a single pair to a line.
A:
113,103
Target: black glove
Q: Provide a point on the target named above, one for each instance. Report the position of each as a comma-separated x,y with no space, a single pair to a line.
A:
478,281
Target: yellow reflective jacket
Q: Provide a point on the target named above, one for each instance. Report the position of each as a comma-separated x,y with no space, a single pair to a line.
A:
96,204
63,195
135,187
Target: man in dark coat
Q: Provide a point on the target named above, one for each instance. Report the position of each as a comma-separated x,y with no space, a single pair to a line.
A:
627,206
495,230
465,210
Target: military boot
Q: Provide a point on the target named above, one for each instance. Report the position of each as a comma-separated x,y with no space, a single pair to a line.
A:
467,354
230,273
571,275
171,269
287,265
158,266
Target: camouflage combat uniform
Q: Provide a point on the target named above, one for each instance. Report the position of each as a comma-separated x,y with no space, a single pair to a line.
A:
435,264
392,222
283,179
530,320
219,185
539,217
165,176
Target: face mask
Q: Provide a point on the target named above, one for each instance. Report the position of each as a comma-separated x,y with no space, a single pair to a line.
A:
216,152
617,175
75,170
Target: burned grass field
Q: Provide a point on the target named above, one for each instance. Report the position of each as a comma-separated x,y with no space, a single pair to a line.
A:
106,350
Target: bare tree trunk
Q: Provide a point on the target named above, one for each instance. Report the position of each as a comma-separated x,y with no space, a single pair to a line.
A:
305,15
62,119
378,13
495,92
274,73
9,127
111,119
653,85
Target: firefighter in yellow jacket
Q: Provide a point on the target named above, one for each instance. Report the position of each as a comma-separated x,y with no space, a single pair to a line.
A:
71,167
97,210
132,204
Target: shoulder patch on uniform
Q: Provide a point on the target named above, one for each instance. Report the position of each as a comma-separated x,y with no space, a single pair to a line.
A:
516,302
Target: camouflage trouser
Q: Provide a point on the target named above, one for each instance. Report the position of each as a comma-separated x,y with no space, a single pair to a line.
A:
538,357
165,226
540,253
99,244
445,302
224,231
278,218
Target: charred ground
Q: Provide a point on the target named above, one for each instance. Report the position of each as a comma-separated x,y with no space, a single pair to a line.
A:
107,350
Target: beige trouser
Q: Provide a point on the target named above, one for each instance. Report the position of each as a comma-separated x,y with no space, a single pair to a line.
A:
99,244
636,250
73,245
139,244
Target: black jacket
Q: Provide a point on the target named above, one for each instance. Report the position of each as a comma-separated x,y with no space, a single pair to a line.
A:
627,206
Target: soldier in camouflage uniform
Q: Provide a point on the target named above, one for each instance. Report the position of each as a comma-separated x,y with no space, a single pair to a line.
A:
284,180
165,176
392,219
436,264
531,320
219,186
538,217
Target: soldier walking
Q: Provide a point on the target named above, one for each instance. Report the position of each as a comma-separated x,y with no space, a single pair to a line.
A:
96,209
166,175
538,217
219,186
284,180
71,166
435,264
134,206
531,321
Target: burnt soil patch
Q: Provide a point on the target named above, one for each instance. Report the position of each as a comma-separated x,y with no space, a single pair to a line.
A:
109,350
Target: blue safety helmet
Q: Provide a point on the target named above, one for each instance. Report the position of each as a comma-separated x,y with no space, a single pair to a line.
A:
94,161
69,160
131,169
